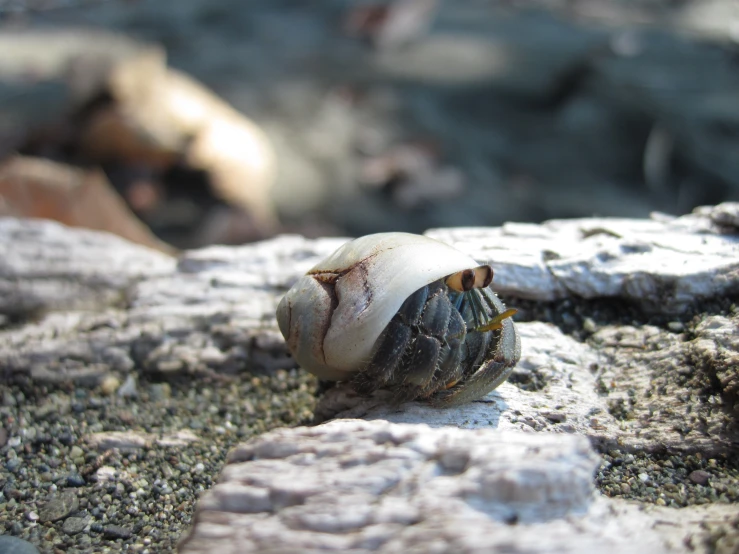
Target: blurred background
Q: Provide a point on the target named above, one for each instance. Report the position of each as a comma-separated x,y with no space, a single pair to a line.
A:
180,123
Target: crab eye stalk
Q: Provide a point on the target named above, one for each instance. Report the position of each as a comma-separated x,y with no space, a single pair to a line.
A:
468,279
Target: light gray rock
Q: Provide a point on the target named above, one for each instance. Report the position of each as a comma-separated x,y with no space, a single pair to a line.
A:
112,306
47,266
59,506
715,351
374,486
355,486
662,264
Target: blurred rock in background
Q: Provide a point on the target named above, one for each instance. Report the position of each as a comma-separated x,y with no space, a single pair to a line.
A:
33,187
174,151
364,117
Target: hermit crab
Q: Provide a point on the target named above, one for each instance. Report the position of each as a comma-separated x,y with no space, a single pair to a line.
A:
401,312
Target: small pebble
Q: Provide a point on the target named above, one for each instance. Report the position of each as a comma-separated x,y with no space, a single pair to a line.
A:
9,399
76,452
74,525
196,424
109,384
676,326
589,326
105,474
700,477
128,388
59,507
555,417
75,480
160,391
643,477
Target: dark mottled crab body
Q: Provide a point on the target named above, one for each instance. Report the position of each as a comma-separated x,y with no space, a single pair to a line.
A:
405,313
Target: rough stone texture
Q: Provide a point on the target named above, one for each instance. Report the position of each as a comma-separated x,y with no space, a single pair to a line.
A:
213,311
662,264
665,389
109,306
715,351
44,266
354,486
92,309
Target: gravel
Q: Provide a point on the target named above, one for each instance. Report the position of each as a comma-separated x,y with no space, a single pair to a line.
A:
62,494
669,480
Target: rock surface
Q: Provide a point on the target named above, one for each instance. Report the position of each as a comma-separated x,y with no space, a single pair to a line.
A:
355,486
663,264
45,266
650,384
374,486
213,311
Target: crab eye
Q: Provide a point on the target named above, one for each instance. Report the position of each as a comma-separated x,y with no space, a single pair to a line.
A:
483,276
468,279
462,281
